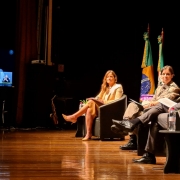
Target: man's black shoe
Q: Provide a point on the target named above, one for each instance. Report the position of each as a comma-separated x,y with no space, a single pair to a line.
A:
116,130
117,122
132,143
145,159
129,146
125,124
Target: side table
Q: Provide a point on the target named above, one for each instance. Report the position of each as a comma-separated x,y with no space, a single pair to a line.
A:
172,139
81,127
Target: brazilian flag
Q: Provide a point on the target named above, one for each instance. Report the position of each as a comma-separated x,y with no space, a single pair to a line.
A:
147,81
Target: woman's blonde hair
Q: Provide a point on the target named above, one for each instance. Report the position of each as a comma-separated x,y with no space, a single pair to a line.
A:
105,85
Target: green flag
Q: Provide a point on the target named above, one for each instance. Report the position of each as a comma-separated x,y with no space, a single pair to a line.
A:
161,57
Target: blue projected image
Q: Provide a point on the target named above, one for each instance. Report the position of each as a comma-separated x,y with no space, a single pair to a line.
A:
5,78
7,58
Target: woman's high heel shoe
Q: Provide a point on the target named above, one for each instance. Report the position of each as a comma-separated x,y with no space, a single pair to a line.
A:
86,139
73,120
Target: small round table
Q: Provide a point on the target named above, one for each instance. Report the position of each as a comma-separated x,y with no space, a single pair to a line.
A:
172,139
81,127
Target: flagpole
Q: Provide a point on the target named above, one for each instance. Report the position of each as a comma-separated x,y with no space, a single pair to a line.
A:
148,29
162,36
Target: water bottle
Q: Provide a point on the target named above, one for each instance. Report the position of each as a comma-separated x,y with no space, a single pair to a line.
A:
172,120
80,106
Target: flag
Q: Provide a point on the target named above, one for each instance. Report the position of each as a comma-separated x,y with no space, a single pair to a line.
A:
147,81
161,57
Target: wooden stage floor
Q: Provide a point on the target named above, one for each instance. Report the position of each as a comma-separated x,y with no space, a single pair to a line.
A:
57,154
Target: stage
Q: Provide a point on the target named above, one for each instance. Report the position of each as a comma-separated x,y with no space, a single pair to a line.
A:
58,154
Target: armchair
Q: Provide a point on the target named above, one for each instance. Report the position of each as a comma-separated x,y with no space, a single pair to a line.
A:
102,124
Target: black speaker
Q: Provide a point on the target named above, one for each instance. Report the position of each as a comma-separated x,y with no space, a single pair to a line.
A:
38,93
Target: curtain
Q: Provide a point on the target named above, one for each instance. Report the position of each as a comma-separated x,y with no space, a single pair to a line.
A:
26,49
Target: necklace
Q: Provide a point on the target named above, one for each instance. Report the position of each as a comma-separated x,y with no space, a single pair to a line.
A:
111,86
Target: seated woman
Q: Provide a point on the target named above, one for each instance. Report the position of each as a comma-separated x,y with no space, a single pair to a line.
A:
109,92
167,88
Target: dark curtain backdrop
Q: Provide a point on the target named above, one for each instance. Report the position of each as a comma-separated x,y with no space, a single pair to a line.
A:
26,48
90,38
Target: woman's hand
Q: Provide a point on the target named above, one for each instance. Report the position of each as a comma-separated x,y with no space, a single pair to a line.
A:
150,104
146,106
96,99
90,98
101,100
